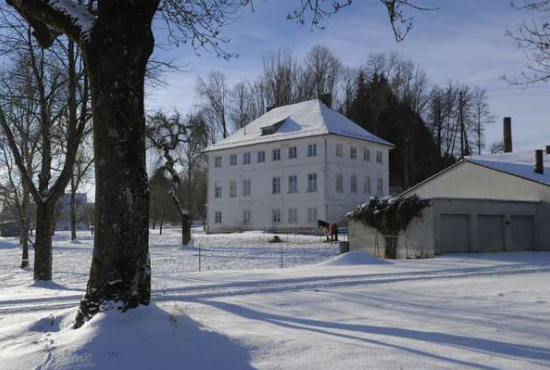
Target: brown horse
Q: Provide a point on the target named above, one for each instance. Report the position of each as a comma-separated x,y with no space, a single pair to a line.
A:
330,230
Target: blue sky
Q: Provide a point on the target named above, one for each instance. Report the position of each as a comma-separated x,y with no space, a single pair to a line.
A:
463,41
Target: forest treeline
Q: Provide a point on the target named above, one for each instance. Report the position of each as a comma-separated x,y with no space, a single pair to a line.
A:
432,126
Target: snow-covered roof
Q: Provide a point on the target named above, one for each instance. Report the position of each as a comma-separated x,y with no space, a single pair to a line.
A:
310,118
519,164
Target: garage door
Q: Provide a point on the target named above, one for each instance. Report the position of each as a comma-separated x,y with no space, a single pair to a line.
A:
522,229
455,231
490,231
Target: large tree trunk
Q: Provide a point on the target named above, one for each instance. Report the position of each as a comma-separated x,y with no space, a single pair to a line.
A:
73,210
43,241
24,238
24,228
116,57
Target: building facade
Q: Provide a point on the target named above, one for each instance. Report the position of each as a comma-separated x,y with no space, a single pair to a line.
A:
291,167
483,204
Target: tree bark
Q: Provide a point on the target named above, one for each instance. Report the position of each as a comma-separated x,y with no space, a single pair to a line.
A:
116,57
43,241
73,209
24,228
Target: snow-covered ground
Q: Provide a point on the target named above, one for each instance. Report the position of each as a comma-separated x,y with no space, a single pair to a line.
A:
347,312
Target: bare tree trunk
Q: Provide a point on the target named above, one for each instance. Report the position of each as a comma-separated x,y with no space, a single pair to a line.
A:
73,209
116,57
43,241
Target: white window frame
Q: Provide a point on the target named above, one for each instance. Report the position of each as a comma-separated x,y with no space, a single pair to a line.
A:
339,183
367,185
261,156
276,215
353,184
379,156
292,152
353,152
380,186
312,183
233,189
217,189
247,216
293,215
218,161
246,158
366,154
276,155
218,217
312,150
312,215
275,185
247,187
339,150
233,160
292,184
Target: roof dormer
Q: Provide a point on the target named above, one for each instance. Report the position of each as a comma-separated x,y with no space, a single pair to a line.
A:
271,129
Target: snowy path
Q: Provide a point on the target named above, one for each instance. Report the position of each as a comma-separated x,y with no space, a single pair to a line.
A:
297,284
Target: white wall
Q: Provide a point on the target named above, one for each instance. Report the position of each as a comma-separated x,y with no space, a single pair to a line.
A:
468,180
341,203
262,201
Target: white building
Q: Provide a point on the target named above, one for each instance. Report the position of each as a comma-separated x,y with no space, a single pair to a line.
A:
292,166
486,203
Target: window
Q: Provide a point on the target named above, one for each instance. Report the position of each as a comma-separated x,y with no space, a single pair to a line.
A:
292,152
339,150
233,189
339,183
380,186
312,183
218,162
293,184
366,186
276,154
261,156
276,216
366,154
246,216
292,216
246,158
311,215
312,150
353,184
233,160
276,185
353,152
379,157
218,217
246,187
217,189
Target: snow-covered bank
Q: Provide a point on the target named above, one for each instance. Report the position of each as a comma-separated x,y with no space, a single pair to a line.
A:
144,338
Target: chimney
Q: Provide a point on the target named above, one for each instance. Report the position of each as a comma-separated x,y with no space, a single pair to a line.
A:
539,161
507,142
547,149
270,107
326,99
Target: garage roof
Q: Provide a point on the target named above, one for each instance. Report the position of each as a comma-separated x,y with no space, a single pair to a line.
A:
519,164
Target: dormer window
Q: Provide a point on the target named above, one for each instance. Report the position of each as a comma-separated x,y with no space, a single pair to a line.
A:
271,129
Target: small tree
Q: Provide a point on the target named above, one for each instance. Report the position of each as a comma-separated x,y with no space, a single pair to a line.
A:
170,135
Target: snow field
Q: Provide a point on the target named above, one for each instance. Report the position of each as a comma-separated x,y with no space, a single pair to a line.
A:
472,311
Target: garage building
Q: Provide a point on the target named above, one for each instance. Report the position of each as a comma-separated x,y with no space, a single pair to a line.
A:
482,204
